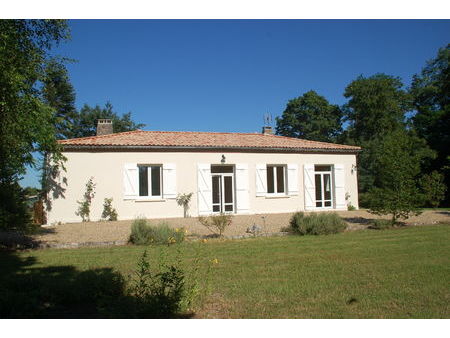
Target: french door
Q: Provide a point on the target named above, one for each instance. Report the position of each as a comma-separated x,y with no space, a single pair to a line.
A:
223,192
324,189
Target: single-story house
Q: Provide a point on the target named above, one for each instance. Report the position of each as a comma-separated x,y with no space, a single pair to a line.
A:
240,173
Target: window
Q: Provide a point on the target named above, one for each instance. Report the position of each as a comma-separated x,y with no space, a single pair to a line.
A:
323,184
276,182
150,180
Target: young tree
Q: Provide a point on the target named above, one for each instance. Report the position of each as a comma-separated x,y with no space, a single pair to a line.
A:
398,158
433,188
430,91
26,122
311,117
85,122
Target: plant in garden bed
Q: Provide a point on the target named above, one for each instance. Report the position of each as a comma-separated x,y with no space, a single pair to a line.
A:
109,213
84,208
144,233
381,224
317,223
216,223
184,200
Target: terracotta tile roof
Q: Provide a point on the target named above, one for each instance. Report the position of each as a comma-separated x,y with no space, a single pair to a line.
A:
141,138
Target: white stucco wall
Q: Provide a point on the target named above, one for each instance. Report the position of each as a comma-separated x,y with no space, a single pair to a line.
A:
107,170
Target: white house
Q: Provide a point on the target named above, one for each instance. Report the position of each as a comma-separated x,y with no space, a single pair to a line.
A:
241,173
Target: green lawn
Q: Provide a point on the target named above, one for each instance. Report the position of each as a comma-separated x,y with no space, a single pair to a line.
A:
402,273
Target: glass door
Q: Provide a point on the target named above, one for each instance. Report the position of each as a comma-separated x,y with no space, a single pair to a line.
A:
222,189
324,193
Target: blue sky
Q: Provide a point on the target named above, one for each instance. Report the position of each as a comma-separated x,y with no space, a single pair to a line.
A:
223,75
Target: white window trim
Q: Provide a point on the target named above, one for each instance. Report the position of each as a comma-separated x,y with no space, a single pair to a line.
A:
275,186
331,171
150,197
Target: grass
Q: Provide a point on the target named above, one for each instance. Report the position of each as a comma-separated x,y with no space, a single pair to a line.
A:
398,273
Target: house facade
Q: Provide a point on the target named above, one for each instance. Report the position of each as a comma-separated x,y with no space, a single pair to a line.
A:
144,171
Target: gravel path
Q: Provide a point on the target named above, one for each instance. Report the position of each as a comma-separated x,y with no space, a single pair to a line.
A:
270,223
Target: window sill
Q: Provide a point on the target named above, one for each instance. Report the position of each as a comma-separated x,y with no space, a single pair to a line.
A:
276,196
149,200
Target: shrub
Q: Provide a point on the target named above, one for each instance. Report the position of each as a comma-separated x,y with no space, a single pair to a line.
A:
351,207
143,233
381,224
109,213
184,200
317,223
84,208
217,223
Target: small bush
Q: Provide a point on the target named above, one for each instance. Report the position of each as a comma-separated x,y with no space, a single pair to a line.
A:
317,224
381,224
143,233
217,223
84,206
351,207
109,213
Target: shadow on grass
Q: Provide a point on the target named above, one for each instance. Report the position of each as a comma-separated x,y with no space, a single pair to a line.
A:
27,291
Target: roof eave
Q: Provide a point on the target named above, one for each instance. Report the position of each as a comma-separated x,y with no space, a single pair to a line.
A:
207,148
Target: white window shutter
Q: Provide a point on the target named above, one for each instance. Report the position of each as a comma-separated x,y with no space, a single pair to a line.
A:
169,180
242,192
339,186
130,181
292,178
310,186
204,192
261,179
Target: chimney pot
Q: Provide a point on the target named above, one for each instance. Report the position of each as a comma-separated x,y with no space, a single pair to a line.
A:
104,127
267,130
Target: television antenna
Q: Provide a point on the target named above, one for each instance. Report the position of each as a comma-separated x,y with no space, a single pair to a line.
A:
267,119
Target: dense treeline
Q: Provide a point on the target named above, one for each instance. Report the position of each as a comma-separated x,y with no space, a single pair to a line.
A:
404,133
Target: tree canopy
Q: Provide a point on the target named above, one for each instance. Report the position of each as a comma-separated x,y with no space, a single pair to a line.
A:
27,123
85,121
311,117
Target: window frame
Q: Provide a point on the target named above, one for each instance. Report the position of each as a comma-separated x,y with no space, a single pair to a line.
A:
321,173
149,182
275,180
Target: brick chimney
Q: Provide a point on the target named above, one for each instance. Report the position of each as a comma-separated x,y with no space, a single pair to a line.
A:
267,130
104,127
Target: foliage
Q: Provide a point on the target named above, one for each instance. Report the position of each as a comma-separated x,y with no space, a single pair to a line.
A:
109,213
159,293
59,94
381,224
398,164
85,121
216,223
143,233
433,188
184,200
430,91
14,212
351,207
26,122
84,208
311,117
317,223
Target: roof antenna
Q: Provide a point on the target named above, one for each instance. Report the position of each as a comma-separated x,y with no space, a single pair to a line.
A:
267,120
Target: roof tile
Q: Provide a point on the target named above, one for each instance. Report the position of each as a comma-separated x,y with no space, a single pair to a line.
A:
201,140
